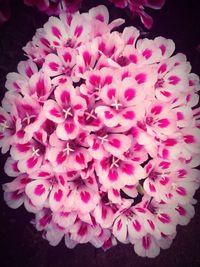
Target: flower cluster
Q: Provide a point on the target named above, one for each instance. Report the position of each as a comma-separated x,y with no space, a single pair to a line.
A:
137,8
54,7
103,136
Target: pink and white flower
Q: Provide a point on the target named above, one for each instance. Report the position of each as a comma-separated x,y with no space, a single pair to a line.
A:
47,185
118,103
64,110
116,172
68,155
18,82
30,155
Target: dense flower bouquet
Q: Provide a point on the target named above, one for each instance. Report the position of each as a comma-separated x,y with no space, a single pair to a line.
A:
102,133
136,7
55,7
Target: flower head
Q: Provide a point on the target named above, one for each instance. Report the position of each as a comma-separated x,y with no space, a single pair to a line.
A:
103,134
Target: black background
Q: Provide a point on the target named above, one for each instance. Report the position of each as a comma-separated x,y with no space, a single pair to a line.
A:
20,244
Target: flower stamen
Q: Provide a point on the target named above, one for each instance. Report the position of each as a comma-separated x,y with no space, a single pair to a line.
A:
116,104
3,126
35,152
28,118
114,163
103,139
174,186
90,115
67,112
68,149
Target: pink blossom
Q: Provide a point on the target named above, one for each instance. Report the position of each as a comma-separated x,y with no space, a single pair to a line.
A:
64,110
14,192
18,81
29,155
68,155
47,185
117,172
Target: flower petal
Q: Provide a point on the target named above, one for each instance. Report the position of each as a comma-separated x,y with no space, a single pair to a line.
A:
38,192
53,112
117,144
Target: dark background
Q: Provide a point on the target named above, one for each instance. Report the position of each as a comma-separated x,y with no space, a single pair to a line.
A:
20,244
